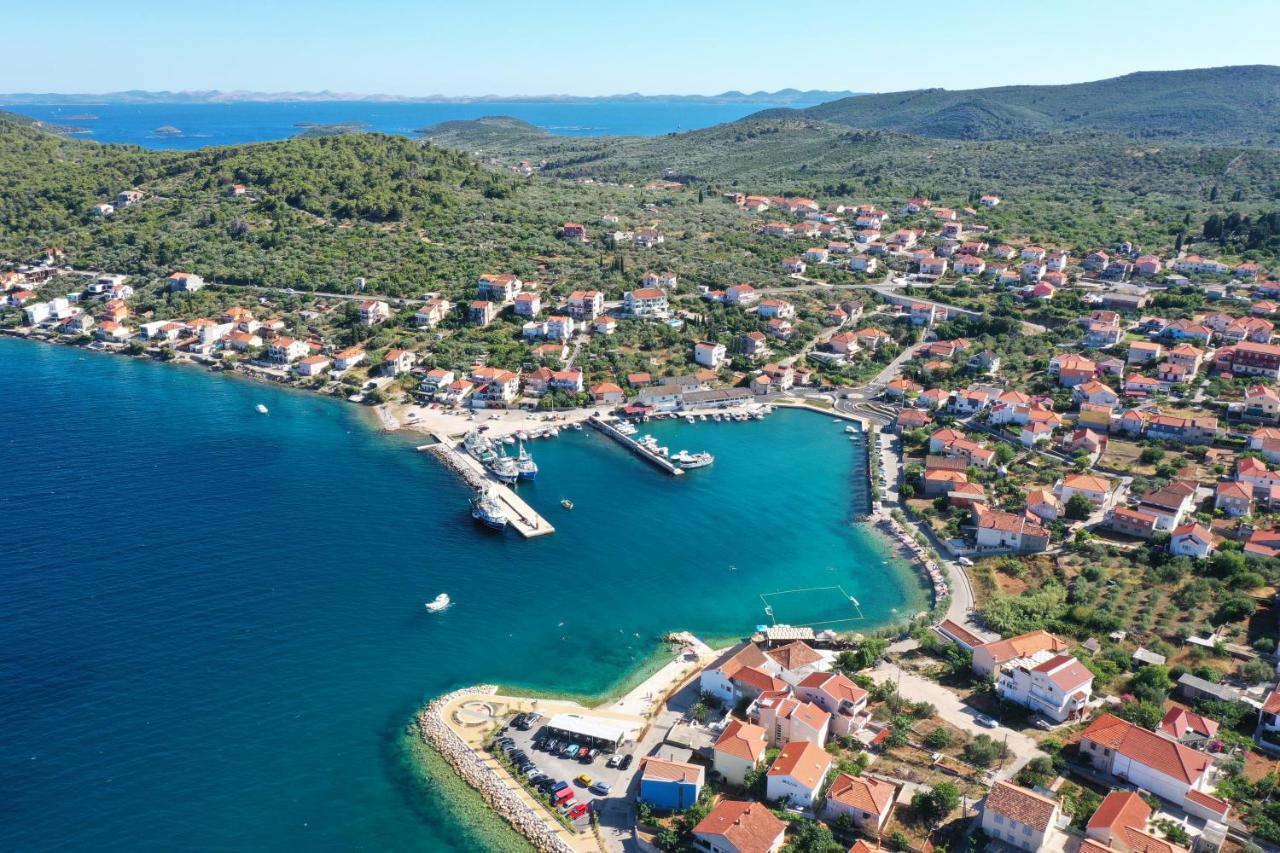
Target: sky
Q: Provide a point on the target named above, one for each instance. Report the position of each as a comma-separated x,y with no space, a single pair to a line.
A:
502,47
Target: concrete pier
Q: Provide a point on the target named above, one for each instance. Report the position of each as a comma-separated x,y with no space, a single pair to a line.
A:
631,444
523,518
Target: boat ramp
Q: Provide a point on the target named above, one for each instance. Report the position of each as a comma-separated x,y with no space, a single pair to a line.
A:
635,447
524,518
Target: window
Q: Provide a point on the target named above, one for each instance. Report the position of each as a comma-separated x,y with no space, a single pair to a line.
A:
999,818
1026,830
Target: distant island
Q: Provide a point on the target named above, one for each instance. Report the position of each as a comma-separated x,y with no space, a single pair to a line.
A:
782,97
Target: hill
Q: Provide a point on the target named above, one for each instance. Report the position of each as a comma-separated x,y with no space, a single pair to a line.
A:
1239,104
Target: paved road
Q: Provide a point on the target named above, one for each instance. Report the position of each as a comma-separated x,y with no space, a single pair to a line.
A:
919,689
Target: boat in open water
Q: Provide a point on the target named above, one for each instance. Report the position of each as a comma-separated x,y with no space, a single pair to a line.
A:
440,602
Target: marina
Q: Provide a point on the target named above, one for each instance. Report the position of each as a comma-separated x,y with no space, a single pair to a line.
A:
647,451
494,499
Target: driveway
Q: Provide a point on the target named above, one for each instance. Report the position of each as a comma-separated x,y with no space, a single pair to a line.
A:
919,689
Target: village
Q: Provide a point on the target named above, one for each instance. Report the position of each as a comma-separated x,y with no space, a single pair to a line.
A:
1082,441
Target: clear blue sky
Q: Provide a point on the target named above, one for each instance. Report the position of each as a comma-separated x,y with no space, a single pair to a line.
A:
591,48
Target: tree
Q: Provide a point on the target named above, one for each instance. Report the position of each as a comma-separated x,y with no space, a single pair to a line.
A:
931,806
1078,508
1151,684
939,738
1036,772
983,751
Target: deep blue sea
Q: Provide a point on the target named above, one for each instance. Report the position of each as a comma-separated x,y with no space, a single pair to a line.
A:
227,124
212,631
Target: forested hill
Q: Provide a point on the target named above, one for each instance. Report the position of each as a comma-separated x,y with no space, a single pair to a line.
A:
316,209
1239,105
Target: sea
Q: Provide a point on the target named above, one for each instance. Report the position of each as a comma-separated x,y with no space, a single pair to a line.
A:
199,125
212,631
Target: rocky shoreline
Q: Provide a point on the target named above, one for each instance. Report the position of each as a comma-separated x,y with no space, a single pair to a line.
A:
497,793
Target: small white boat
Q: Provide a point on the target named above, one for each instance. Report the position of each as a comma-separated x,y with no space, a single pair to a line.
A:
566,503
578,426
689,419
440,602
261,409
850,429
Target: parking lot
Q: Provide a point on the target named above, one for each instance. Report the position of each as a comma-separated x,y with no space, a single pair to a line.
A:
560,768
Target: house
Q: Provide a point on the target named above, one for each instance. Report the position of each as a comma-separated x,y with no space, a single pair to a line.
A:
988,658
1056,686
786,719
1102,335
374,311
604,326
909,419
312,365
1009,531
113,332
797,774
481,312
498,288
1169,504
528,304
431,313
1120,824
1161,765
741,673
1130,522
128,197
286,350
78,324
608,393
1043,505
1250,359
925,313
646,303
1096,261
989,200
348,358
1022,818
794,265
1234,498
774,378
734,826
739,750
1147,265
103,209
494,386
1187,356
1187,726
437,378
574,232
709,354
902,388
779,308
863,264
455,392
1096,393
235,191
845,343
1095,488
670,785
185,282
867,801
398,361
1269,717
1261,404
585,304
795,661
970,265
1072,369
836,694
1144,352
1093,444
932,265
741,295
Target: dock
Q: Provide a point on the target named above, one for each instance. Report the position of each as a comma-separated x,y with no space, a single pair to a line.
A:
523,518
631,444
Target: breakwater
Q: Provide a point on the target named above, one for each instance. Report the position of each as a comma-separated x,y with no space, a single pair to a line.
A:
524,518
635,447
498,793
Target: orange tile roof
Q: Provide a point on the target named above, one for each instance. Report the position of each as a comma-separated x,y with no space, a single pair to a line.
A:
805,762
1147,748
742,740
861,792
1023,645
749,827
1016,803
836,685
670,771
1119,809
795,655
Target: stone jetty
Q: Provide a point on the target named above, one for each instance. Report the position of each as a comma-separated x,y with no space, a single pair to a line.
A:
497,792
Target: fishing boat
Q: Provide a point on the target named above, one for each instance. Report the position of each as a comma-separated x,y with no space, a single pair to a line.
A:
686,460
504,468
440,602
566,503
261,409
626,428
526,468
486,509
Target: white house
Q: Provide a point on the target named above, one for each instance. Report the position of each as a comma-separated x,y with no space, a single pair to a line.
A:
785,718
836,694
1191,540
312,365
374,311
287,350
797,774
734,826
35,313
1022,818
646,303
740,673
185,282
709,354
1057,686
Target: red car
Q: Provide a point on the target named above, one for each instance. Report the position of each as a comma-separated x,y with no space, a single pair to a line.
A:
578,811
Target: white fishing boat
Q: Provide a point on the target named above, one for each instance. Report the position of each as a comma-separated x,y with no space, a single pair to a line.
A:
504,468
440,602
526,468
486,509
261,409
685,459
626,428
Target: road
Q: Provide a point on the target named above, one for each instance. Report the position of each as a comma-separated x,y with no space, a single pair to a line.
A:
1022,748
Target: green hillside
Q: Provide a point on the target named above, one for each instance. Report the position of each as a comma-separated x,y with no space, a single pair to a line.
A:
1235,105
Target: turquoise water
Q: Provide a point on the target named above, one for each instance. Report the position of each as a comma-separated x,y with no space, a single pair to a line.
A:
212,623
233,124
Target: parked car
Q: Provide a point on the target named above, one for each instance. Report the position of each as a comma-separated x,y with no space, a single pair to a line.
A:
612,762
984,720
625,762
578,811
600,787
584,780
571,751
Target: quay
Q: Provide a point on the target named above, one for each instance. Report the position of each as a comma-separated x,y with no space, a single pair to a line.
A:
524,518
631,444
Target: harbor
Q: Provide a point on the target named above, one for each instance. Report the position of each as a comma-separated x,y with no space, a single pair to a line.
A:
518,514
645,451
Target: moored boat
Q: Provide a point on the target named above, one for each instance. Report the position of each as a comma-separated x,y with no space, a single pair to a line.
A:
526,468
486,509
685,459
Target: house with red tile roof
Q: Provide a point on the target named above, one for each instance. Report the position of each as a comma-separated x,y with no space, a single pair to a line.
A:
1007,531
742,672
1159,764
988,658
1021,818
786,719
797,774
836,694
867,801
739,749
734,826
1192,540
1055,685
1120,825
